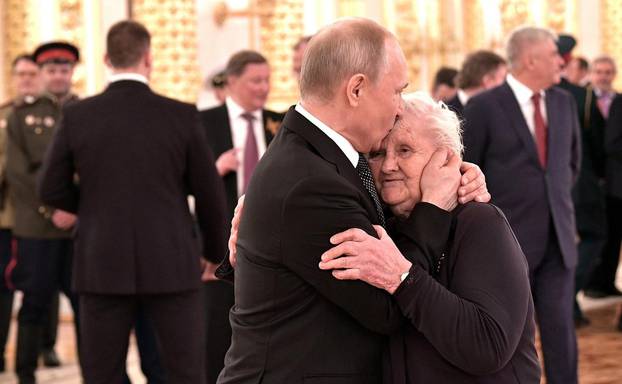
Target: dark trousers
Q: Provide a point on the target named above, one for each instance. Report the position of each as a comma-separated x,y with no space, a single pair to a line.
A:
6,294
218,301
603,277
552,287
592,229
106,322
50,330
148,350
45,268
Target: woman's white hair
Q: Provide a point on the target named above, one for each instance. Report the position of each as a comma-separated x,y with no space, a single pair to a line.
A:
435,117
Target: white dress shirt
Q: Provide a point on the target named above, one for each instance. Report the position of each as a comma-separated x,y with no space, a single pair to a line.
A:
341,141
523,94
127,76
239,128
463,97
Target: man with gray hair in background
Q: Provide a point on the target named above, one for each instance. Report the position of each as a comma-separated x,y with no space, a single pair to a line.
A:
292,322
525,136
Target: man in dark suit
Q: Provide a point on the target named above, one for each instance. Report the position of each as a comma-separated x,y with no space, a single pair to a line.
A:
525,136
481,70
238,143
588,193
602,283
137,156
292,322
613,147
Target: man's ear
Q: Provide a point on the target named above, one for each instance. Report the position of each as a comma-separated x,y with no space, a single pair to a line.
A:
107,60
355,87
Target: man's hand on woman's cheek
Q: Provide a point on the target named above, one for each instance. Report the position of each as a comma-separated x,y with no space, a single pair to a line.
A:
472,184
440,180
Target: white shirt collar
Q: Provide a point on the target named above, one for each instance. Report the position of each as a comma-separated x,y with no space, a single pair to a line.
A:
235,110
341,141
463,97
522,92
127,76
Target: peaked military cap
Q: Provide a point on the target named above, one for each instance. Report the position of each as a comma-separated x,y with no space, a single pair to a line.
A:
57,52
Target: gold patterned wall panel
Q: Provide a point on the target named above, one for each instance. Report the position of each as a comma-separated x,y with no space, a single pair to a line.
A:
173,25
611,32
281,26
19,27
515,13
70,28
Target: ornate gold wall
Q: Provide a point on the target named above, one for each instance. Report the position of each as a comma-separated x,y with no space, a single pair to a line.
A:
23,31
173,25
611,34
281,26
19,28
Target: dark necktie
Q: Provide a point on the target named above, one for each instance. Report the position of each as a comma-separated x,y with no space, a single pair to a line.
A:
251,154
540,128
368,182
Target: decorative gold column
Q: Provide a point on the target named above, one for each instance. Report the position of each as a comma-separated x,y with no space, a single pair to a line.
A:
172,24
611,30
281,26
473,25
19,26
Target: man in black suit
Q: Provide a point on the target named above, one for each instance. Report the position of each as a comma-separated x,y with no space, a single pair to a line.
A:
613,147
588,193
481,70
525,136
137,156
292,322
602,283
228,127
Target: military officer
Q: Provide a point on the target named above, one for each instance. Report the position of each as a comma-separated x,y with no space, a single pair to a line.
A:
25,79
43,234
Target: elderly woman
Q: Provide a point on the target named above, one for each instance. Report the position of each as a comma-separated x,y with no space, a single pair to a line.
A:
469,306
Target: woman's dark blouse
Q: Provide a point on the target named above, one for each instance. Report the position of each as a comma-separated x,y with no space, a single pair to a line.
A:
468,301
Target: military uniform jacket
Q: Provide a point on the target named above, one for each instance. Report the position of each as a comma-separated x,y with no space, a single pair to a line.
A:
30,128
6,208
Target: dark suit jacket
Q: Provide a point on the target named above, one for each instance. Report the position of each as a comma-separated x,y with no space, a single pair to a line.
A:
292,322
456,105
613,147
138,156
496,137
470,308
218,129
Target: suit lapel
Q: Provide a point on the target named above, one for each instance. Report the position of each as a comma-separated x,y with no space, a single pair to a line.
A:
551,122
329,151
517,120
224,128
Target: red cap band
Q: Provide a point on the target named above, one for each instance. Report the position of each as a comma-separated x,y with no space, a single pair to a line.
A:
58,53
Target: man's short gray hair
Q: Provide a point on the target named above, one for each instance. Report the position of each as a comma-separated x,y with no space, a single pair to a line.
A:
523,37
339,51
436,117
605,59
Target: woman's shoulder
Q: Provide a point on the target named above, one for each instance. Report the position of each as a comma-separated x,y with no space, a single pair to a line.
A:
474,211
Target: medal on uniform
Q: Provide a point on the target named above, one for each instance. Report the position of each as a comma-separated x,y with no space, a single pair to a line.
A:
30,120
48,121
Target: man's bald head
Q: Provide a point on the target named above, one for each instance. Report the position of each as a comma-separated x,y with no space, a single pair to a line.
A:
339,51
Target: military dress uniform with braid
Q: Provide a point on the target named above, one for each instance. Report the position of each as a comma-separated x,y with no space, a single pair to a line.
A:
44,256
